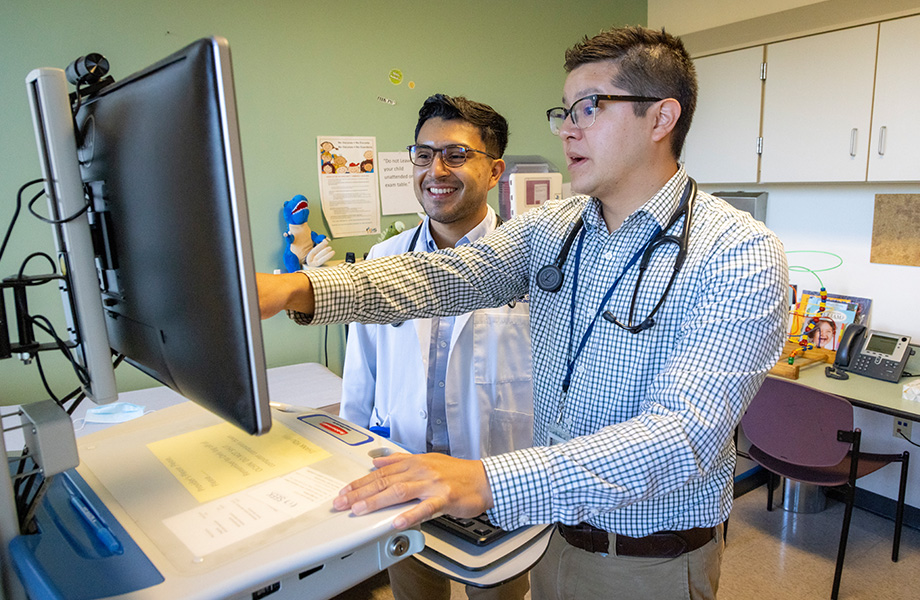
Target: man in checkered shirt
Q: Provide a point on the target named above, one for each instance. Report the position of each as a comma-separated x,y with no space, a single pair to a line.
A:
633,416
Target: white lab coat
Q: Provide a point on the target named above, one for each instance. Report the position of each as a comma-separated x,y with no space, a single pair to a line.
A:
489,389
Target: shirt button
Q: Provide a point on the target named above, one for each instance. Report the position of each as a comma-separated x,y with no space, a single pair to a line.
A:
439,421
423,414
443,344
440,384
608,255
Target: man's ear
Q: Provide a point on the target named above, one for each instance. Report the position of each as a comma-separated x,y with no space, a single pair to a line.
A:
498,168
667,112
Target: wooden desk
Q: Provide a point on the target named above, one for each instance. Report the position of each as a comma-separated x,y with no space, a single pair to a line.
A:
868,393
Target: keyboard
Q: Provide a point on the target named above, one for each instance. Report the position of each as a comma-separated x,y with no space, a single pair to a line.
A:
476,530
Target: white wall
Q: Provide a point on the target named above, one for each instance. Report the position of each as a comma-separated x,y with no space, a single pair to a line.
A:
838,218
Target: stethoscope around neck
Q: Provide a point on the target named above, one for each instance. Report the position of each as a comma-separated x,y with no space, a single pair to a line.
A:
551,277
414,243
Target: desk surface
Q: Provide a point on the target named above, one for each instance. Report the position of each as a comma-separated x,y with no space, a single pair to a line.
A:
274,534
865,392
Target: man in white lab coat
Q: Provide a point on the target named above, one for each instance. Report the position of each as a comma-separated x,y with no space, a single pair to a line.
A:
457,385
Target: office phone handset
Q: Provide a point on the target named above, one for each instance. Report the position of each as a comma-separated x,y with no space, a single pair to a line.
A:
871,353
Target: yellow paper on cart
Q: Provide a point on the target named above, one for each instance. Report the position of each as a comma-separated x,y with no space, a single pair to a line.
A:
220,460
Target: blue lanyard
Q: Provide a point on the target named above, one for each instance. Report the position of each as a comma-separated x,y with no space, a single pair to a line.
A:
584,338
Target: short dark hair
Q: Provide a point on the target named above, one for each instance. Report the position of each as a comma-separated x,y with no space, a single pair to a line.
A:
651,63
493,128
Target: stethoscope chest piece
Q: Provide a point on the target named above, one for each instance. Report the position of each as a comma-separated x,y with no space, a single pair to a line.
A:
549,278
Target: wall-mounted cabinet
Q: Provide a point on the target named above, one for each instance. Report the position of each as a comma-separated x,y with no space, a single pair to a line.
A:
722,145
818,107
894,152
836,107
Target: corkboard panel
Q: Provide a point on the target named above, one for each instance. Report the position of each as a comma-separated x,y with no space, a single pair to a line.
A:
896,230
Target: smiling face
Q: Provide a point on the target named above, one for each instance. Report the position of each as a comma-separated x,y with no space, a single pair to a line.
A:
454,197
824,335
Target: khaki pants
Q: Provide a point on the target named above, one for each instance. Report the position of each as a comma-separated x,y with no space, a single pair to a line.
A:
569,573
411,580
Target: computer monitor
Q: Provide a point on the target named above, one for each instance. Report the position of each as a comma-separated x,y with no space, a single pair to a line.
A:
173,275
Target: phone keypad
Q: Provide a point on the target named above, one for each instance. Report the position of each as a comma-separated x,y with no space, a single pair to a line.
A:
876,366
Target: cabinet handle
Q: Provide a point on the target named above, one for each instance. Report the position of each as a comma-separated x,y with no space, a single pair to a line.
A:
882,138
853,135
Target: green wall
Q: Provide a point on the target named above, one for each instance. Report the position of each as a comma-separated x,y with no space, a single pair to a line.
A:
302,69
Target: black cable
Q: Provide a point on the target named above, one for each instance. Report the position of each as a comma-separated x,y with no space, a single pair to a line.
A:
72,217
44,380
27,516
22,498
77,396
907,439
48,328
22,267
9,229
78,101
81,395
23,483
23,457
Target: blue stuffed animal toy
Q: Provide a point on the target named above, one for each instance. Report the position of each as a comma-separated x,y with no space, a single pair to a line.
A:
302,245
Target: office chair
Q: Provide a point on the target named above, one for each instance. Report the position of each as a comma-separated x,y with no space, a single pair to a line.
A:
807,435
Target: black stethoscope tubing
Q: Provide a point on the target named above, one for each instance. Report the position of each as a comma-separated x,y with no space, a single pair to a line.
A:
660,237
550,277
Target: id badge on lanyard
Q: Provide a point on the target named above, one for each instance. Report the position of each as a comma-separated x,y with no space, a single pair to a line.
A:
557,434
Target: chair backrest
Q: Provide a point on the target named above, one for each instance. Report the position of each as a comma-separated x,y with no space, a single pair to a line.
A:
798,424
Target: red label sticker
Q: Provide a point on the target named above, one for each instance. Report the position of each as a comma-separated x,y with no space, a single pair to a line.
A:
333,428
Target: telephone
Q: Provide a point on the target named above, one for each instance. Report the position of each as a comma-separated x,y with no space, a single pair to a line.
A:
871,353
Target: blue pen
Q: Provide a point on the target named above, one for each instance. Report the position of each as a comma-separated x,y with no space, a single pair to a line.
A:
89,516
380,430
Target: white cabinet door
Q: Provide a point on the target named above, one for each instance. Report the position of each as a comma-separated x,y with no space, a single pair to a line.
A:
818,107
722,144
894,152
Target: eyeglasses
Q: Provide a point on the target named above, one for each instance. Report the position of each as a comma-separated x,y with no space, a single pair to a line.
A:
454,155
584,110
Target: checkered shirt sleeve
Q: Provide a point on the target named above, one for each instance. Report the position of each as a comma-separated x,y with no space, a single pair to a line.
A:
486,274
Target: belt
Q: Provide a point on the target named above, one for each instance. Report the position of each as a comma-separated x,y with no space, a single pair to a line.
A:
663,544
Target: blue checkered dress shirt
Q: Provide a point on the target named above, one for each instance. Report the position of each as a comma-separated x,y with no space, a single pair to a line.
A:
652,415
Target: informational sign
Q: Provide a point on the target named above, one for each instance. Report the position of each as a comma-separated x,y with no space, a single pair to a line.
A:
348,184
397,193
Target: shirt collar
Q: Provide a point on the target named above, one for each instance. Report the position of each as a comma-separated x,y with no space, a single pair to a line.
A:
485,226
659,207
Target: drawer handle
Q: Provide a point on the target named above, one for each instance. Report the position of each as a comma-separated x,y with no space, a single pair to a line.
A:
853,136
882,139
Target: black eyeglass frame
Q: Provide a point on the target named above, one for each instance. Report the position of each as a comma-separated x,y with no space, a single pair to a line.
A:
594,98
466,149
